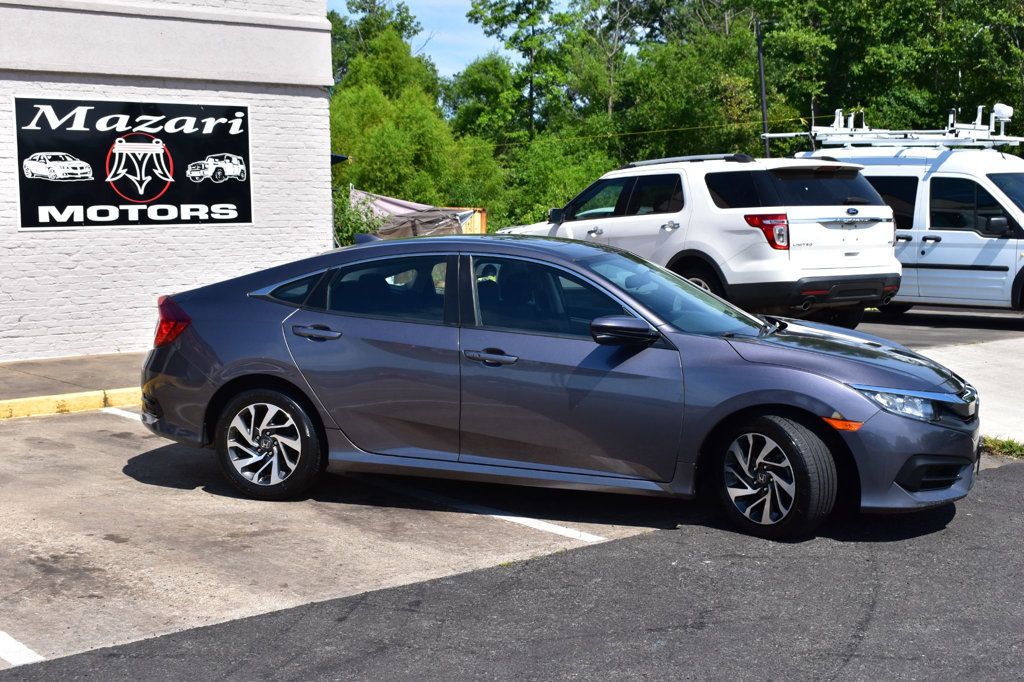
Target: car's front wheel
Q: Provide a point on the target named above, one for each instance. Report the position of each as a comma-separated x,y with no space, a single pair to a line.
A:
218,175
775,477
268,446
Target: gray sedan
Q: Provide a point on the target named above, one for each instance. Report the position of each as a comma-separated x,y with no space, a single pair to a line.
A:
550,363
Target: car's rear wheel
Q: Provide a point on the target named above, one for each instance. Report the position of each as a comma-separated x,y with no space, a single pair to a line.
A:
775,477
701,276
894,309
268,446
848,317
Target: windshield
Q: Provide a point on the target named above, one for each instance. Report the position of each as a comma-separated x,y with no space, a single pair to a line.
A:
1012,185
672,298
59,157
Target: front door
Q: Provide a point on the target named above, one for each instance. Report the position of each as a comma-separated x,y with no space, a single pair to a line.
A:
598,208
968,253
382,356
538,392
655,214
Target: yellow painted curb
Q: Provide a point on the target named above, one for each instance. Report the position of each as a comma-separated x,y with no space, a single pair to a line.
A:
69,402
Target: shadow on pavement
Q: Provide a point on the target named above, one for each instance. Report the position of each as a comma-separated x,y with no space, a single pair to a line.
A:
948,320
184,468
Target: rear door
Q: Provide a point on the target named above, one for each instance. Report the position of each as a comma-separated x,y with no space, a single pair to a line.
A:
380,350
539,393
836,218
969,251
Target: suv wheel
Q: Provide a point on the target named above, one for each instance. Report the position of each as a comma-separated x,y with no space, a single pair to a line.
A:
218,175
776,478
840,317
702,276
267,445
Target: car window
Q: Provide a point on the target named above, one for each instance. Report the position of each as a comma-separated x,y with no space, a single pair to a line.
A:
296,292
656,194
824,186
603,199
409,289
529,297
962,204
741,189
901,194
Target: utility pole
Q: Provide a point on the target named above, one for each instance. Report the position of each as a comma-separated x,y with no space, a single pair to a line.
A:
764,96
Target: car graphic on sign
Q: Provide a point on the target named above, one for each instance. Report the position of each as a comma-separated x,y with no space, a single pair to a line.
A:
58,166
217,167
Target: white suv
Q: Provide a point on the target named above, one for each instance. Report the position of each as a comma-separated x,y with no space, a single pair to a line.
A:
798,237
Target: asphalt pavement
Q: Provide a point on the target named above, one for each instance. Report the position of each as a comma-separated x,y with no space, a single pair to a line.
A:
924,327
933,595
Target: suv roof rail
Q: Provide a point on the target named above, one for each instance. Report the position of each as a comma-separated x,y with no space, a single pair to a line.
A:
737,158
844,132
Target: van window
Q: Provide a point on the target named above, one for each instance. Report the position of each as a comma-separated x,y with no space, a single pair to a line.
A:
656,194
962,204
822,186
901,194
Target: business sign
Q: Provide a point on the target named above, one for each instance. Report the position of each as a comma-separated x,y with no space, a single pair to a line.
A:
86,163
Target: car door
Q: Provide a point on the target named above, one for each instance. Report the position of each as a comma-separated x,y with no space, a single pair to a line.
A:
538,392
655,214
598,208
380,350
967,253
900,192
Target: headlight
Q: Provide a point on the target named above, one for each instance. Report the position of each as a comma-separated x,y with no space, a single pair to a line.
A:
905,405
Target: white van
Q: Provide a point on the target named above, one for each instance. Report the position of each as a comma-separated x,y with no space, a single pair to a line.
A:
958,205
795,237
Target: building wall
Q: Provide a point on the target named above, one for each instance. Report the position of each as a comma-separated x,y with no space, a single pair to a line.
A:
83,291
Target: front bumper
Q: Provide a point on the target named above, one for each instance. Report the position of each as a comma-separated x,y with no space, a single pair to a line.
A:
818,291
905,464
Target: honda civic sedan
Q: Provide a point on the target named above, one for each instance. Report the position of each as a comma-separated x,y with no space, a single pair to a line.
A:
552,363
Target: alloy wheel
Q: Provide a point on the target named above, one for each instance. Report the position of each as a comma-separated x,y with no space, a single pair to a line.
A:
264,443
700,283
759,479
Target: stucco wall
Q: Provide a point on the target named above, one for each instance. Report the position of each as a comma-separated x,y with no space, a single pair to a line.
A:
94,290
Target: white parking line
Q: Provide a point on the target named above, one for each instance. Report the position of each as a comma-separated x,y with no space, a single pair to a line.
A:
122,413
481,510
15,653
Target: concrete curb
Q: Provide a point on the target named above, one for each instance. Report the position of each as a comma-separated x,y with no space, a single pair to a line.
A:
69,402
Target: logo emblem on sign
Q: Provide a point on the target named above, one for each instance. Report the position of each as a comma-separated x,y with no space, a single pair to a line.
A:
132,164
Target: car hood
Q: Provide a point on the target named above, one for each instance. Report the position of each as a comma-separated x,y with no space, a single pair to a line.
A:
847,356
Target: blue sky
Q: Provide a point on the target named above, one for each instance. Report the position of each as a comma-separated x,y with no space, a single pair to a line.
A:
448,37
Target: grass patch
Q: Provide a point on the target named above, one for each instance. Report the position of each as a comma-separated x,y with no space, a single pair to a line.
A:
1004,447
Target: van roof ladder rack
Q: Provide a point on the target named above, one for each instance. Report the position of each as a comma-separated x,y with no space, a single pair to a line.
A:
844,132
737,158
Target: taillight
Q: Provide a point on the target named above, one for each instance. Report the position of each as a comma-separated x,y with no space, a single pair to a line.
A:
173,321
775,227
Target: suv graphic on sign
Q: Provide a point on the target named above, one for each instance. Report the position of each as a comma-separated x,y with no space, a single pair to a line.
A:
56,166
217,167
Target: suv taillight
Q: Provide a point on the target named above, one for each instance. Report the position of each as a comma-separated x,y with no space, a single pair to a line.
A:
173,321
775,227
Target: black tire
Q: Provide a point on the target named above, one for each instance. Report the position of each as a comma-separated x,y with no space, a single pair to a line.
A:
848,317
256,481
894,309
218,175
241,175
702,276
810,466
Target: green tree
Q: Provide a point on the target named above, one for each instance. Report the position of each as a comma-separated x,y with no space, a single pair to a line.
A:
367,19
483,100
388,63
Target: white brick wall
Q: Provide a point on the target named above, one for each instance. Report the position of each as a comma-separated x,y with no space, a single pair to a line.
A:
94,291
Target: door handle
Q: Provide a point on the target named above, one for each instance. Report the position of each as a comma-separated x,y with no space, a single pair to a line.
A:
670,225
490,356
595,231
931,238
317,332
904,238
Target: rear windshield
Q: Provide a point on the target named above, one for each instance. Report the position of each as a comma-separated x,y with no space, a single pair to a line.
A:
791,187
1012,185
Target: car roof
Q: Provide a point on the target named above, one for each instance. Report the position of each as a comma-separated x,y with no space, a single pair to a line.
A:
553,248
699,166
968,161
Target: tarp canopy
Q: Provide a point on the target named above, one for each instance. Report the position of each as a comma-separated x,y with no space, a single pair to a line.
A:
408,218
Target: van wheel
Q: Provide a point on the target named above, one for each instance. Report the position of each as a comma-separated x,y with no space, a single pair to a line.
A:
775,478
267,445
894,309
840,317
701,276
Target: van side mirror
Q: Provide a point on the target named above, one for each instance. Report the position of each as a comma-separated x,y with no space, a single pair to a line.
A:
622,330
998,226
556,215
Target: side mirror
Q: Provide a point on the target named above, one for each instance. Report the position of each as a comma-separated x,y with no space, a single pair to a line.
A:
622,330
556,215
998,226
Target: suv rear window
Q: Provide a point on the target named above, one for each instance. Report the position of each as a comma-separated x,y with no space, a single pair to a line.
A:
791,187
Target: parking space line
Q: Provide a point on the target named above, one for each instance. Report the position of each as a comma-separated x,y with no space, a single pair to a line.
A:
481,510
15,653
122,413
